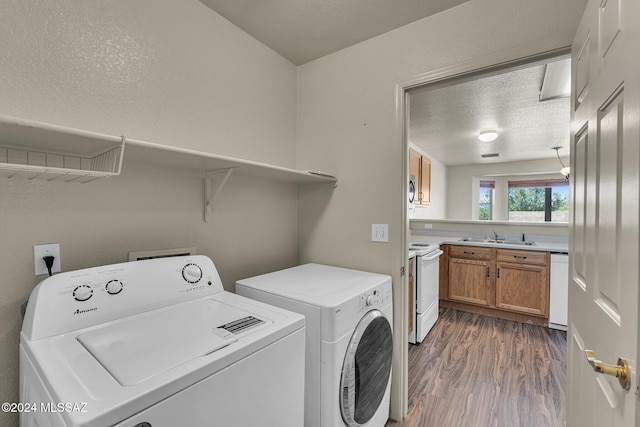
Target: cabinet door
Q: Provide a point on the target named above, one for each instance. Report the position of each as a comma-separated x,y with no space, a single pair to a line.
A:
414,166
424,189
468,281
523,288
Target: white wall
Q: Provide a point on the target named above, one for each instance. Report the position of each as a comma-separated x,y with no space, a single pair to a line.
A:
438,207
166,71
464,184
347,125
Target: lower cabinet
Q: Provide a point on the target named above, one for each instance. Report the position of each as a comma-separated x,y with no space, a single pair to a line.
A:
469,281
497,280
522,282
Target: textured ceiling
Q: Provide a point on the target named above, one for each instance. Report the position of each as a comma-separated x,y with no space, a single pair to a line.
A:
445,121
304,30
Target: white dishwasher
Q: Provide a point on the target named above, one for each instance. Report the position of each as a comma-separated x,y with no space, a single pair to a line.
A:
559,291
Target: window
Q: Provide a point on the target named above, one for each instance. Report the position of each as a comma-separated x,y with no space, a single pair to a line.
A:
539,201
485,200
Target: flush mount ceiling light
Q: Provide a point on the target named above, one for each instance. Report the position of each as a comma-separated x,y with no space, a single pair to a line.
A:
488,135
565,169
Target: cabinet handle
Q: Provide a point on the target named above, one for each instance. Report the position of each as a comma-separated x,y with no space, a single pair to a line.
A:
498,272
469,253
488,271
520,256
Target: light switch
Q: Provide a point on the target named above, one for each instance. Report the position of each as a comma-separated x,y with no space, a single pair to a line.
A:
380,233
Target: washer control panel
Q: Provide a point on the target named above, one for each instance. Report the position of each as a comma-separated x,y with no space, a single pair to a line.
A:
70,300
378,297
343,317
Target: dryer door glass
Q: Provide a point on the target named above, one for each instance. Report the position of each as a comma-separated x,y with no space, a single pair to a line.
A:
366,369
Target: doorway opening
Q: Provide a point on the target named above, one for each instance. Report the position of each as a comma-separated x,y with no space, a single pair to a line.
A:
428,116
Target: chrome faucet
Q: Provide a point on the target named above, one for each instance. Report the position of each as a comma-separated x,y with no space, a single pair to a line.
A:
495,235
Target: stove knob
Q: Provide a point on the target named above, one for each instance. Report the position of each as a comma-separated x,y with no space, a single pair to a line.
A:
369,301
192,273
82,293
114,287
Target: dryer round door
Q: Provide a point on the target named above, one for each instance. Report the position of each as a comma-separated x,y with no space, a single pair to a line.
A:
366,369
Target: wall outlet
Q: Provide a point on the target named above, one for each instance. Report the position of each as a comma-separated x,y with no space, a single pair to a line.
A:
379,232
41,251
428,226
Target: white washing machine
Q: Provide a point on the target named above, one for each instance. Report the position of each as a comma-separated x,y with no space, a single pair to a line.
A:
157,343
349,339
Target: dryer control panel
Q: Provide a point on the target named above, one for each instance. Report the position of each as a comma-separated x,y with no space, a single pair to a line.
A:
345,316
84,298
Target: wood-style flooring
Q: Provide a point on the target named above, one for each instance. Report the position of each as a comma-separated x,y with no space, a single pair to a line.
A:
479,371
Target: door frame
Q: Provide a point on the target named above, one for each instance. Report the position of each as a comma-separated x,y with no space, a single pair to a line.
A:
543,49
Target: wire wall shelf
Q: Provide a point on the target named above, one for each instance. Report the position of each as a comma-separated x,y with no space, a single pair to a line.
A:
35,150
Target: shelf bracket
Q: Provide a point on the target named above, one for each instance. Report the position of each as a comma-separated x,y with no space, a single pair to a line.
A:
210,193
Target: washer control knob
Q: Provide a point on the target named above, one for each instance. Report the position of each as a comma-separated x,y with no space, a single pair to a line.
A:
114,287
369,301
82,293
191,273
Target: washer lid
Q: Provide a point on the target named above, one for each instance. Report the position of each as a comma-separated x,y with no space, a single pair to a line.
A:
140,347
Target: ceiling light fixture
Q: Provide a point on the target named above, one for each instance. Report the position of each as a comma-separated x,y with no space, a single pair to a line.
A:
488,135
565,169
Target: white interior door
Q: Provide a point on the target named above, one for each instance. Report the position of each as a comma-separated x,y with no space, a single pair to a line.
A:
604,253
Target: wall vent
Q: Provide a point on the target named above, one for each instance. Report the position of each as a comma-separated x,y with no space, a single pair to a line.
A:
161,253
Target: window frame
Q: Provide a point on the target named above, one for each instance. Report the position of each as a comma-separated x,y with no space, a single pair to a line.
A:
490,185
547,184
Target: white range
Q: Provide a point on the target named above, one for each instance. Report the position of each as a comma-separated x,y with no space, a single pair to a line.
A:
425,289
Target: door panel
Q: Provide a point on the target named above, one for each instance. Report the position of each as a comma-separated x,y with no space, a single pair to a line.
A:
610,144
579,207
604,244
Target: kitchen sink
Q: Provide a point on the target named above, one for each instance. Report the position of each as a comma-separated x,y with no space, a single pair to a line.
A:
516,242
497,241
478,240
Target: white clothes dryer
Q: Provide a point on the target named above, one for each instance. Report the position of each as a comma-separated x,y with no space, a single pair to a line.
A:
157,343
349,339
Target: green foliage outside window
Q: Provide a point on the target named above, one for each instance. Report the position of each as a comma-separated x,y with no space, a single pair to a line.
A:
532,199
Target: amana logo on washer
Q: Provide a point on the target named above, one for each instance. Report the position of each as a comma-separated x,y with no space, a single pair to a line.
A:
78,311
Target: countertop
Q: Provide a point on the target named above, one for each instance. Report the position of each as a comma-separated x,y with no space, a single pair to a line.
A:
553,247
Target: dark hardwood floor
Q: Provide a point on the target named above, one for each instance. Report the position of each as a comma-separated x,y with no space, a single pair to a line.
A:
479,371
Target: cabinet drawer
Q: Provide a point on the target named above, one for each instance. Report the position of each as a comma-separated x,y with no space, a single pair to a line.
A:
522,257
469,252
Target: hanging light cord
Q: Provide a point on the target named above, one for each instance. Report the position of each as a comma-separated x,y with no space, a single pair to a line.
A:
558,154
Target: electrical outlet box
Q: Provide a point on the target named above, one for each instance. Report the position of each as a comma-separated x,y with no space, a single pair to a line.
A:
380,232
428,226
41,251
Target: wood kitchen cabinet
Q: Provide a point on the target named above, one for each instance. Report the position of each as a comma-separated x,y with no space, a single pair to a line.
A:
420,167
470,275
522,282
508,283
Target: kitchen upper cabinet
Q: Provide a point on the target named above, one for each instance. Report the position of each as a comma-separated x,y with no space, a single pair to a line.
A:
522,282
420,167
